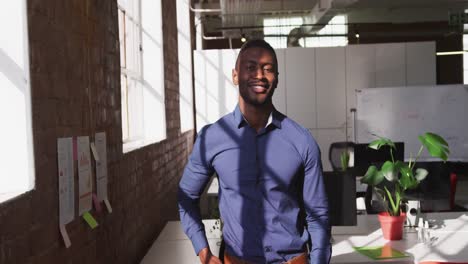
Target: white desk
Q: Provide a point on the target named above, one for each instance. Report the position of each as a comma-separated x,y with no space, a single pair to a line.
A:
450,229
173,246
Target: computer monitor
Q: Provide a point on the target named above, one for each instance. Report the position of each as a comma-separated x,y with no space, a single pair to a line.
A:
365,156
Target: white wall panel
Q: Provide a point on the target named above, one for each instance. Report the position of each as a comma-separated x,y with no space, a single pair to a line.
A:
215,94
360,73
331,90
420,63
390,65
300,83
279,98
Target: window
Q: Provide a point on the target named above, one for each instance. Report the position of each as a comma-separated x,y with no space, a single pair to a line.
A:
16,153
280,26
185,66
334,33
142,73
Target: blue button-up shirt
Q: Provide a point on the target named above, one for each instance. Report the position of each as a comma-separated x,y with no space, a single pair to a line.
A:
271,194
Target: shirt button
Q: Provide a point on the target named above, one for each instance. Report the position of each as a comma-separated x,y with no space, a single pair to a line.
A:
268,249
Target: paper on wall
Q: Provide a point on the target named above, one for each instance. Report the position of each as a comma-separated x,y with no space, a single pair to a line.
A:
66,238
84,175
66,181
66,186
101,168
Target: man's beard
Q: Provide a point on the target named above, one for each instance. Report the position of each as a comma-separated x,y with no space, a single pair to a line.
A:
249,97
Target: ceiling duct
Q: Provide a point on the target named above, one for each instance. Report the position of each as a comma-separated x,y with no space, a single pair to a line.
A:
239,13
317,19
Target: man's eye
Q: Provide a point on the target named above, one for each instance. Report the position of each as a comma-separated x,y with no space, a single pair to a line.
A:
269,70
251,68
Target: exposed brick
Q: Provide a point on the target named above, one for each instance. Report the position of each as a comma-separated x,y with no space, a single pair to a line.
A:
75,86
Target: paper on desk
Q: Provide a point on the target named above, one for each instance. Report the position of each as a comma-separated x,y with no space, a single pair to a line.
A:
84,175
380,252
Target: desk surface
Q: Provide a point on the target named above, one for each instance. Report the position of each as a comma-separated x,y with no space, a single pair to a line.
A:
449,229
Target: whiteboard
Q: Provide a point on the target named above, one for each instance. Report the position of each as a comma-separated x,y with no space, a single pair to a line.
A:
403,113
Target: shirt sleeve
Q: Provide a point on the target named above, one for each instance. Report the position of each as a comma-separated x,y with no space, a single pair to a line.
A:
316,204
196,176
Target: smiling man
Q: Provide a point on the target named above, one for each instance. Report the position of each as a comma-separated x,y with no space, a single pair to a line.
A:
272,199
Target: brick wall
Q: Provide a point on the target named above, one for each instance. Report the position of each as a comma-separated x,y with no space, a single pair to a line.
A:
75,82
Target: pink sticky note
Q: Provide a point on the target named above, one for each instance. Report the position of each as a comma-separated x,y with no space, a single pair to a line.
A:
97,204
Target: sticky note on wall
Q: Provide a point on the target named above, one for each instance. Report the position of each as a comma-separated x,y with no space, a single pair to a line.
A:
90,220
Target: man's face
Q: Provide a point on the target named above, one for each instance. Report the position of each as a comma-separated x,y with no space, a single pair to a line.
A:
256,75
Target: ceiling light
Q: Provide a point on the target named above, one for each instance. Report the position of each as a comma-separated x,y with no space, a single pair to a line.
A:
243,39
445,53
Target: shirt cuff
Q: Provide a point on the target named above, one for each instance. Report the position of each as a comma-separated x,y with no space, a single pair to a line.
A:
199,241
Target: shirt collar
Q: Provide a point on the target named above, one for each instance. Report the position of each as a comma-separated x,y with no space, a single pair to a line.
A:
274,118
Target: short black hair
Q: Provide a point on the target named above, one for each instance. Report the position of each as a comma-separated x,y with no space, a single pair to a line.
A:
258,43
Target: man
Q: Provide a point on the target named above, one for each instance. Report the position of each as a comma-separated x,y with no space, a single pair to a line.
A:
271,194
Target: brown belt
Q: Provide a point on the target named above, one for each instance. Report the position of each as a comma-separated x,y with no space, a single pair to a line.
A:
301,259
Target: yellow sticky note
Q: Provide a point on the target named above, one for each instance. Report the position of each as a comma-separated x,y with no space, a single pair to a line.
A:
90,220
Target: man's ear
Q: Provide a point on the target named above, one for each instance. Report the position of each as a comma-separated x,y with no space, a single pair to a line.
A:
275,84
235,78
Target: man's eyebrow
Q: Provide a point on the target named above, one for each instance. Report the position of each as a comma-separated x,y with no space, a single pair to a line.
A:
255,62
251,61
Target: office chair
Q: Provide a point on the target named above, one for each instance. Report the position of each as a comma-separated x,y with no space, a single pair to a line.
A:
334,156
335,151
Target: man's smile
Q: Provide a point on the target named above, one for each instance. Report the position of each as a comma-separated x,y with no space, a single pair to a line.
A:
259,87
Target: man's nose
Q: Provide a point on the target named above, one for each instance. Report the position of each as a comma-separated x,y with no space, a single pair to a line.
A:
259,73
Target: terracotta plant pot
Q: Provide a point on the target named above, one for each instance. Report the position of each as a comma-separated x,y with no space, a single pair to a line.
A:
392,226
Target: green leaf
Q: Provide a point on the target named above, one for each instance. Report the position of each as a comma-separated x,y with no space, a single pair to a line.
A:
435,145
388,170
407,180
373,176
399,164
398,196
344,159
378,143
395,209
421,174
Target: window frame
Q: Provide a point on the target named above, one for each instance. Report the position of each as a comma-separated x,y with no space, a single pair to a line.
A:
187,122
133,83
29,184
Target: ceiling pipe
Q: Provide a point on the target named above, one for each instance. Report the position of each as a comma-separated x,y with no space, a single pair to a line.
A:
203,10
265,12
319,17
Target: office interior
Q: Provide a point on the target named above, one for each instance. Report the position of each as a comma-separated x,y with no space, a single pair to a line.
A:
148,74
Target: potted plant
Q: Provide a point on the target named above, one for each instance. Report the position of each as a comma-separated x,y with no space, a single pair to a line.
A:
399,177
